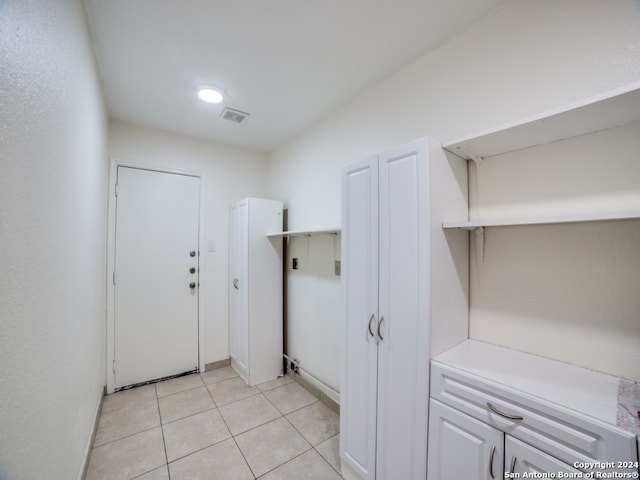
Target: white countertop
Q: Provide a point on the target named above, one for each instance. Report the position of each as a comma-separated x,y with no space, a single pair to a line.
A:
585,391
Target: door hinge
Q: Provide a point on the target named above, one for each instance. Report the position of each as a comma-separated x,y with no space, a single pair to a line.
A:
117,189
114,365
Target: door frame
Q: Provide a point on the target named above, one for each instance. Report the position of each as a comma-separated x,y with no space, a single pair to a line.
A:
114,163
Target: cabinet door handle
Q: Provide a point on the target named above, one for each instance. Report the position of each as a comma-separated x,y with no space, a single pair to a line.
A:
513,464
235,283
493,453
505,415
380,323
373,316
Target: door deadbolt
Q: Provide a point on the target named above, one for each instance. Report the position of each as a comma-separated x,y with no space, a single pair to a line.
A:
192,285
192,253
192,270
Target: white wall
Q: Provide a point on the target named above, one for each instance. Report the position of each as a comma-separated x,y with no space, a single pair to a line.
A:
52,239
525,59
229,174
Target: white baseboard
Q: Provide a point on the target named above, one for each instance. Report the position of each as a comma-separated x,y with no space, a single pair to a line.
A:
94,428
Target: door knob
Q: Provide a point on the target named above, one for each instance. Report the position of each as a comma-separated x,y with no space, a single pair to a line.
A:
192,285
192,253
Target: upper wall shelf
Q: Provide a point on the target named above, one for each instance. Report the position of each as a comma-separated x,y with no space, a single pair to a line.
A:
608,110
301,233
473,224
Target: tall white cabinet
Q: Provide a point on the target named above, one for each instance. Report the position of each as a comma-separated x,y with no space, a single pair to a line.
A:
405,286
255,289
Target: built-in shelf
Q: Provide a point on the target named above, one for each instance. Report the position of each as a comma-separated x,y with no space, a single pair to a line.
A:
608,110
302,233
600,217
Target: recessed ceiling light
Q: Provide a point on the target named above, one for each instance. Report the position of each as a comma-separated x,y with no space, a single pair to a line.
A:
210,94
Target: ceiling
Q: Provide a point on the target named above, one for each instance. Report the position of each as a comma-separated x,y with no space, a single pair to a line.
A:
287,63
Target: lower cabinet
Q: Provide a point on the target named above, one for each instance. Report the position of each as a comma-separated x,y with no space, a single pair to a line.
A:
499,413
462,447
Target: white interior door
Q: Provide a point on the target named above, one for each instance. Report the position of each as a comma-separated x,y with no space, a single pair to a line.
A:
155,275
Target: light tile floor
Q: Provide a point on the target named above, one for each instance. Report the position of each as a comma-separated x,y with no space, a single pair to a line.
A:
213,426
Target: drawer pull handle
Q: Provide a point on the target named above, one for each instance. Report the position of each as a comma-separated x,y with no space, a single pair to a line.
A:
493,452
505,415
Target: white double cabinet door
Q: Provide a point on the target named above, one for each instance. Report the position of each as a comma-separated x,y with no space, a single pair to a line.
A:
463,447
387,252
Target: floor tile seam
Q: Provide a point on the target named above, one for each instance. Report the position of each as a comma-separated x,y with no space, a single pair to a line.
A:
126,436
169,462
274,405
217,381
303,406
136,404
253,474
322,456
187,416
242,399
273,388
254,427
301,434
224,420
211,395
288,461
181,391
149,471
237,400
164,443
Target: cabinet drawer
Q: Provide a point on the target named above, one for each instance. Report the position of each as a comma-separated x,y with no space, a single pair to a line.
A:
554,429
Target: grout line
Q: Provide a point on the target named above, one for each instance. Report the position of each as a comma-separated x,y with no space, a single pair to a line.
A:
200,449
233,437
127,436
288,461
253,474
164,443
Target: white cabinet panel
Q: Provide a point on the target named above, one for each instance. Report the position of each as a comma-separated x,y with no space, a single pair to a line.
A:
238,294
255,289
358,397
403,353
462,447
521,458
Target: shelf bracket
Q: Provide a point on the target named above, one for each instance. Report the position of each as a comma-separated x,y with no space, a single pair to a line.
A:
468,154
478,236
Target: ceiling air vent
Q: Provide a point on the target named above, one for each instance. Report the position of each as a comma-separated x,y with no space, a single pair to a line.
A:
232,115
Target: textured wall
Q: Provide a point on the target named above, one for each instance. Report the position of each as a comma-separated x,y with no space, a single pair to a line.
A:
52,239
527,58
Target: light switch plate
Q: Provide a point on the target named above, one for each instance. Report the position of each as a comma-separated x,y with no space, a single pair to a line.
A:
211,245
